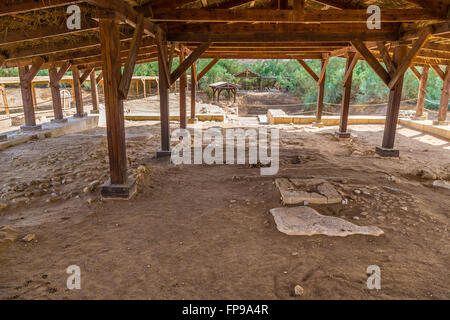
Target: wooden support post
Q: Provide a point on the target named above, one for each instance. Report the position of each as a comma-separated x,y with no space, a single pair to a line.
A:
56,95
164,98
422,93
26,76
395,96
321,93
119,186
342,133
183,81
94,93
193,89
443,107
33,89
5,100
77,93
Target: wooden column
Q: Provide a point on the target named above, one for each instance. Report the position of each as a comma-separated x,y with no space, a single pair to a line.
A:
164,100
5,100
342,133
443,107
183,84
33,90
77,93
119,185
395,96
26,75
56,95
321,92
94,92
193,90
422,91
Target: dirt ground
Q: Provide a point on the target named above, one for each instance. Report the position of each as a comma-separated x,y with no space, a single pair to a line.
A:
205,231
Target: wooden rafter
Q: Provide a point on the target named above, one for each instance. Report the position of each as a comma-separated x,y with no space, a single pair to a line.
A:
309,70
415,72
207,68
349,72
32,5
32,72
162,53
390,66
438,71
340,4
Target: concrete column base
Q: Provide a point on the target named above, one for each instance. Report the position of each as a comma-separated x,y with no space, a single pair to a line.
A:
163,153
384,152
318,124
94,112
422,117
3,137
31,128
80,115
59,120
342,135
440,123
119,191
192,120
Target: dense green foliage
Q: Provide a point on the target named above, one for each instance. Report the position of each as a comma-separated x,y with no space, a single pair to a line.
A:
366,86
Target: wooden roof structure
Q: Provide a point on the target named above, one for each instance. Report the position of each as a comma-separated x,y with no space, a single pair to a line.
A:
34,35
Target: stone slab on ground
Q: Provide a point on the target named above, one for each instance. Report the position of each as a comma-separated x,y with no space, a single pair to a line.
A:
305,221
299,191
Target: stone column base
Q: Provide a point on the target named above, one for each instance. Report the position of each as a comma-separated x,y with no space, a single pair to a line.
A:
440,123
119,191
163,153
80,115
342,135
31,128
59,120
94,112
384,152
423,117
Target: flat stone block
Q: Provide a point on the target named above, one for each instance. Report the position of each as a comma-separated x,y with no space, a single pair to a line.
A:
3,137
119,191
342,135
163,153
318,124
31,128
423,117
80,115
192,120
383,152
94,112
305,221
59,120
440,123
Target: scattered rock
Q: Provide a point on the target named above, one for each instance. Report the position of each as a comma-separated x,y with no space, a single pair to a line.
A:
307,221
357,191
441,184
355,218
29,237
298,290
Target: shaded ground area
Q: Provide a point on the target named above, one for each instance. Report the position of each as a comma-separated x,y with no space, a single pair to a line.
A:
205,232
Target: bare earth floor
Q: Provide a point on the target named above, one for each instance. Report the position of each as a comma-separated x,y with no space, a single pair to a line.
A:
205,232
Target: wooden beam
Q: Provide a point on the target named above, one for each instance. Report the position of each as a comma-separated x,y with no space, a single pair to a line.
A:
26,76
115,127
125,80
62,70
386,58
443,106
438,71
323,69
293,16
56,94
228,4
321,91
171,55
401,69
94,92
32,5
207,68
309,70
349,66
86,75
77,93
340,4
99,78
32,72
371,60
188,62
162,56
164,85
349,69
416,72
183,84
193,89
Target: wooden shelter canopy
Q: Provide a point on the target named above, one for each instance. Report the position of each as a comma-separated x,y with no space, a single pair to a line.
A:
224,85
259,29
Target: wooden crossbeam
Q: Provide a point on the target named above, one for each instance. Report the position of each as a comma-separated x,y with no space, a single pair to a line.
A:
390,66
351,66
340,4
99,78
188,62
32,5
420,42
207,68
293,16
125,80
325,61
371,60
438,71
32,72
62,70
86,74
309,70
228,4
162,54
437,29
415,72
171,55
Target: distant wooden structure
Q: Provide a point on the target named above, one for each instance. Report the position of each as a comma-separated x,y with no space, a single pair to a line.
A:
249,74
218,87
